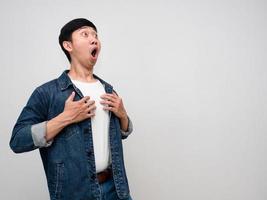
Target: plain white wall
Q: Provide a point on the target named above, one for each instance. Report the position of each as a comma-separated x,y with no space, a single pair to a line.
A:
192,75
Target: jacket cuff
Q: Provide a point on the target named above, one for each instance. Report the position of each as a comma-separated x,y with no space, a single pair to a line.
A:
129,129
38,132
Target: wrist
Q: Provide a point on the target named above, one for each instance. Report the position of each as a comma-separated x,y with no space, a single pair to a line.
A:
124,123
124,117
64,119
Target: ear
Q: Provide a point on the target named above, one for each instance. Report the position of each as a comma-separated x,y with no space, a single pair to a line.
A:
67,45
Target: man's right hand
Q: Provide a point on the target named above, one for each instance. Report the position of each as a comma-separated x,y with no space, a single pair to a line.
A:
76,111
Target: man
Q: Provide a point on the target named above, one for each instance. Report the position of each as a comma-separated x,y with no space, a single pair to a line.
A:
77,122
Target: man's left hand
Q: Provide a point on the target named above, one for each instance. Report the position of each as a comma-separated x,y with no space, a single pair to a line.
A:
114,103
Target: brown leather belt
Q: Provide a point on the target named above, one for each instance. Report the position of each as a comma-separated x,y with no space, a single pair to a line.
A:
104,175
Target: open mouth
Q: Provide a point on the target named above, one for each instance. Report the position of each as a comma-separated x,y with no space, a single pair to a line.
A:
94,52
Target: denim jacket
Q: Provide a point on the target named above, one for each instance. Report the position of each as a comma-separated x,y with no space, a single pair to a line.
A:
69,161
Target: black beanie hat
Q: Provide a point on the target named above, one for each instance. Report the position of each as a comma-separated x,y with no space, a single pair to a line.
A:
69,28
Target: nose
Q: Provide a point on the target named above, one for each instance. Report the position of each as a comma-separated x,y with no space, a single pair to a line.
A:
93,41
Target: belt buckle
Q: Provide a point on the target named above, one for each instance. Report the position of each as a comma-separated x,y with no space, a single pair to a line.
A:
104,175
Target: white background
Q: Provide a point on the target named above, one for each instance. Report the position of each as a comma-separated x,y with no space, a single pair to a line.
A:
192,75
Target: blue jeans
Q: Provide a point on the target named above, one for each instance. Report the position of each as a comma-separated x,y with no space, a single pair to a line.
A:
108,191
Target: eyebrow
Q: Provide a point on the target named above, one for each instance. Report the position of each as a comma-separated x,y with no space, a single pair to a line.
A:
85,27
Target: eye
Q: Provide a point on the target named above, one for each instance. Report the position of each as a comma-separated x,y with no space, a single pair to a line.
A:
84,34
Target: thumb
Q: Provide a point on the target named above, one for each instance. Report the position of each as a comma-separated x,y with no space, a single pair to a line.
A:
71,97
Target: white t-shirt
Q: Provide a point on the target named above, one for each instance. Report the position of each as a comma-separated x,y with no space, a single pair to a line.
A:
100,122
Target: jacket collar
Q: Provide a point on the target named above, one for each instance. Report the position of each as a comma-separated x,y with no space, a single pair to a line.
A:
65,81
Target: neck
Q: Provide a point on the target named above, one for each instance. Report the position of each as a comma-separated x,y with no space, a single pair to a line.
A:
81,72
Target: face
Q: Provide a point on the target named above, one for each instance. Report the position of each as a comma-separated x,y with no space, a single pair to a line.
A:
85,46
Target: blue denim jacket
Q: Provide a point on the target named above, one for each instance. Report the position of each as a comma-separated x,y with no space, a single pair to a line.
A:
69,162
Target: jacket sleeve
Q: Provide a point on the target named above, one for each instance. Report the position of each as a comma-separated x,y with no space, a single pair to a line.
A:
30,123
38,135
125,134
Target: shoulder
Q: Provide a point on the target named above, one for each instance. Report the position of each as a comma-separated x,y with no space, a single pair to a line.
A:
51,84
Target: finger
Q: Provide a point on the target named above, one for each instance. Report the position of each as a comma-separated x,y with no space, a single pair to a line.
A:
89,103
109,108
110,97
109,103
84,99
91,108
71,97
88,115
